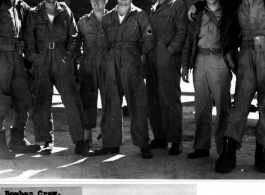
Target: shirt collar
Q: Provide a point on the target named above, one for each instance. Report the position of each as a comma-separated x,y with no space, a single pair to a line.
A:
132,8
207,8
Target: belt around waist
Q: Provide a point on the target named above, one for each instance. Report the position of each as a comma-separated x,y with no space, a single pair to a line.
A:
19,46
120,44
250,33
210,51
50,45
257,43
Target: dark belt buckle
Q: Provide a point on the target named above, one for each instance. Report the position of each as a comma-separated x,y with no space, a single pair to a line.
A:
259,43
259,40
51,45
211,52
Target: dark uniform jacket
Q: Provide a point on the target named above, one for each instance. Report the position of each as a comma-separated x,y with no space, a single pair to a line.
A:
229,33
22,11
137,31
91,34
40,34
170,24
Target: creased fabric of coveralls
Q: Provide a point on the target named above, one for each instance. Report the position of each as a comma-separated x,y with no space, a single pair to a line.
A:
163,66
212,80
91,71
128,41
250,75
53,67
14,84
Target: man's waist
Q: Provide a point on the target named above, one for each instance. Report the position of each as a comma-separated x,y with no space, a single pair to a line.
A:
122,44
50,45
19,47
249,34
256,43
210,51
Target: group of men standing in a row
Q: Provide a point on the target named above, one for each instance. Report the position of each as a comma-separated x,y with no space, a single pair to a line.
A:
109,46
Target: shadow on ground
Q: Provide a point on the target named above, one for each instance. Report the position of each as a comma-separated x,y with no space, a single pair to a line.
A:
65,164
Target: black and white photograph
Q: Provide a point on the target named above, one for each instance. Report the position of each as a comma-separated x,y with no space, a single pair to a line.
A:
143,94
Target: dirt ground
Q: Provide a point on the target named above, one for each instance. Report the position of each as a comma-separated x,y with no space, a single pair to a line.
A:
63,163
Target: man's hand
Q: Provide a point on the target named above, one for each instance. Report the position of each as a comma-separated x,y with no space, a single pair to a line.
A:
191,13
71,45
185,74
30,75
232,61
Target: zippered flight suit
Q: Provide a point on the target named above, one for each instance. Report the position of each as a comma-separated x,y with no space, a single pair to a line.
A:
53,65
128,41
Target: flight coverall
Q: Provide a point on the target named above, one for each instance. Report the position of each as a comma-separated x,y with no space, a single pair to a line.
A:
211,76
127,42
251,71
53,65
14,84
91,71
163,66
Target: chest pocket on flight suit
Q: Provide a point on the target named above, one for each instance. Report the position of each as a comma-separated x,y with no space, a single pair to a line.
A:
132,31
89,33
62,25
164,19
111,31
41,27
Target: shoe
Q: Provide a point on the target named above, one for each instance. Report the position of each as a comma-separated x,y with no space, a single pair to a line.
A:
175,149
88,143
107,150
47,148
260,158
199,153
146,153
81,148
158,143
5,153
227,160
19,144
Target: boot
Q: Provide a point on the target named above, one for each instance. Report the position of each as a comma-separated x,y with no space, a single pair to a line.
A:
260,157
175,149
146,153
47,148
81,148
227,161
199,153
158,143
107,150
19,144
4,150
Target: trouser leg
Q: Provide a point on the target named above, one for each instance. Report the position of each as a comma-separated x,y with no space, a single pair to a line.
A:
67,88
41,114
22,95
168,67
111,122
153,98
244,93
203,104
136,97
260,75
219,78
6,76
5,103
89,91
